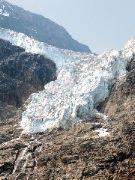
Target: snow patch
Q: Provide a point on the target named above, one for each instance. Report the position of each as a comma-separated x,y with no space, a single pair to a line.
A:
102,132
3,10
4,13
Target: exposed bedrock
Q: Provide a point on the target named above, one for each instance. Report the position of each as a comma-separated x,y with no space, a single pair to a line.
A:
21,74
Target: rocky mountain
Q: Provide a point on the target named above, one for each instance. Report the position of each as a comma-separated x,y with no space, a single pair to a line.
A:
93,149
21,74
76,121
38,27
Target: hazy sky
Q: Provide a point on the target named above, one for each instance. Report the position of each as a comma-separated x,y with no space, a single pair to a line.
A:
101,24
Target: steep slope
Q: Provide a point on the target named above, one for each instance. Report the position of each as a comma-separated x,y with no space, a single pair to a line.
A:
38,27
59,56
80,87
21,74
99,147
79,152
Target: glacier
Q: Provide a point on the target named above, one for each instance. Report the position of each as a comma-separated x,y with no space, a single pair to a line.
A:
80,86
84,80
59,56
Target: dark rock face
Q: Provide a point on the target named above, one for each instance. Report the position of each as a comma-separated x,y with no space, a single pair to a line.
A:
77,152
21,74
39,27
6,50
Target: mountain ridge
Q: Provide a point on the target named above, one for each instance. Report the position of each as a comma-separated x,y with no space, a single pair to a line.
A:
41,28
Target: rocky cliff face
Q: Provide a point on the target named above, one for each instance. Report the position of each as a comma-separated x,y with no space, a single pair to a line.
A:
21,74
6,49
99,147
94,149
38,27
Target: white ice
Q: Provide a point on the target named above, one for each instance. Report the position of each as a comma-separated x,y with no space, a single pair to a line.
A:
81,85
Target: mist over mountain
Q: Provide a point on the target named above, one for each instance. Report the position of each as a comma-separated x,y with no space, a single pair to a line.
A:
36,26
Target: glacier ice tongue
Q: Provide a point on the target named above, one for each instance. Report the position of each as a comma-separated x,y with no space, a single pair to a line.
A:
81,85
83,82
59,56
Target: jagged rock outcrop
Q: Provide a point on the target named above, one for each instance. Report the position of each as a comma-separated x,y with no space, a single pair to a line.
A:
6,49
79,152
21,74
38,27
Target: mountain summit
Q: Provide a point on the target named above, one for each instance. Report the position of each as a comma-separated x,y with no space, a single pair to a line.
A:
40,28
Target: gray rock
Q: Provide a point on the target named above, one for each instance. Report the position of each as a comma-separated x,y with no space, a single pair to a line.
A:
39,27
21,74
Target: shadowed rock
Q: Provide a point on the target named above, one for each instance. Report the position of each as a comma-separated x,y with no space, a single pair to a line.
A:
21,74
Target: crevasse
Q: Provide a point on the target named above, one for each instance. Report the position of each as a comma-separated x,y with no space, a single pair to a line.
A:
59,56
81,85
83,81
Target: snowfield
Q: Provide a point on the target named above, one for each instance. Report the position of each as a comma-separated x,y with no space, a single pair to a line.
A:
84,80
